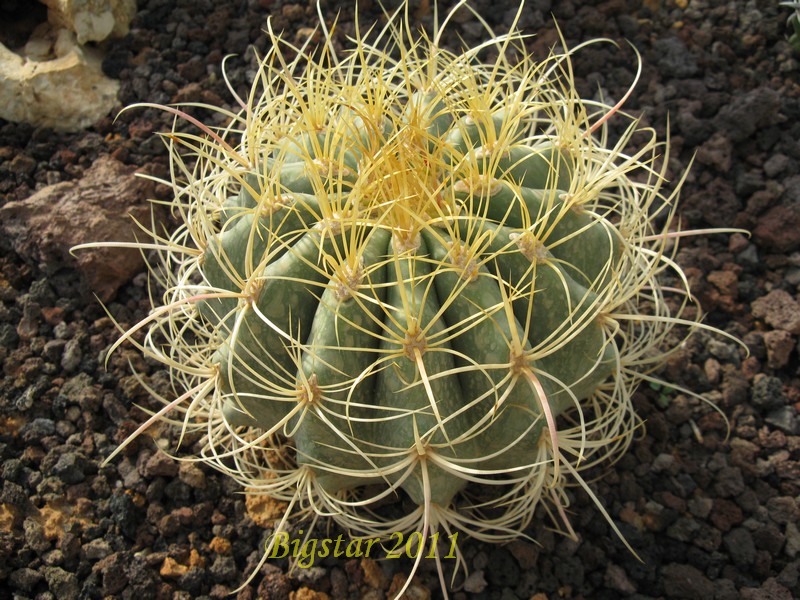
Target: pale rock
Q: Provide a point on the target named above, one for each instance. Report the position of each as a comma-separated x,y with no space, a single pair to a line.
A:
55,81
92,20
60,85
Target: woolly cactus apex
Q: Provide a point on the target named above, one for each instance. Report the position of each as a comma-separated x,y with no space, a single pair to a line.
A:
404,267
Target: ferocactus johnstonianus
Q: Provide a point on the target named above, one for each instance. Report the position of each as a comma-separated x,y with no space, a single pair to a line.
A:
406,270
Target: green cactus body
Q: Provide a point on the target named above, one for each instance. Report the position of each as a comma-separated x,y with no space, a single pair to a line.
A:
417,275
423,356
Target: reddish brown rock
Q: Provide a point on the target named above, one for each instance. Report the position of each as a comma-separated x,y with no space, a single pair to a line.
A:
160,465
687,582
45,226
779,344
617,579
725,514
779,309
716,152
779,228
724,281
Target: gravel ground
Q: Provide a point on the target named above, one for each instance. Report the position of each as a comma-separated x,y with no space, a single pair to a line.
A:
710,516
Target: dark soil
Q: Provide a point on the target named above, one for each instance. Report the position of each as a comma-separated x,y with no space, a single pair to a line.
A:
710,516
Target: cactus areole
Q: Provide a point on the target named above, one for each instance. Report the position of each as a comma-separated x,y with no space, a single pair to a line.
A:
407,271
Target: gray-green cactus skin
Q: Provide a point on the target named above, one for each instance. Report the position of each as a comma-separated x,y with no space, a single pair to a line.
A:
419,352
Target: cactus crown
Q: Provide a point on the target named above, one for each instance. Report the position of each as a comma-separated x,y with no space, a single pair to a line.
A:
410,267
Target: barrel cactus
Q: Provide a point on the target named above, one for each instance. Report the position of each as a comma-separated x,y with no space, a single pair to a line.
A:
404,271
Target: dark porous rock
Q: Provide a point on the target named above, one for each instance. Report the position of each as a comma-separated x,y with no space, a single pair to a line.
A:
725,589
96,549
707,538
13,494
770,590
35,537
783,510
77,388
8,335
790,575
25,579
11,470
617,579
35,430
66,464
275,585
767,392
22,165
177,491
502,570
63,584
725,514
72,356
142,580
785,419
768,537
740,546
748,112
113,573
53,350
125,513
686,582
676,60
223,568
729,482
8,542
778,229
192,581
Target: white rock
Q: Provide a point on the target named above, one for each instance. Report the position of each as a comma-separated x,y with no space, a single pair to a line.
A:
92,20
55,81
62,86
